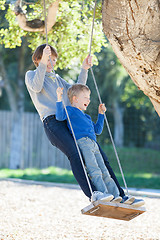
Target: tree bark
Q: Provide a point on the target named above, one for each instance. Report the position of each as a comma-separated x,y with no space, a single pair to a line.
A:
132,27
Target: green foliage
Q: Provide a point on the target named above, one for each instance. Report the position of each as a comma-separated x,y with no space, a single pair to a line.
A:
11,36
134,97
2,4
70,35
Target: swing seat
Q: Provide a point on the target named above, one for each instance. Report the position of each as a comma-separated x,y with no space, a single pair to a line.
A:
112,210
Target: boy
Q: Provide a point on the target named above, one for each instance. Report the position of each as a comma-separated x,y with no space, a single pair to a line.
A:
85,132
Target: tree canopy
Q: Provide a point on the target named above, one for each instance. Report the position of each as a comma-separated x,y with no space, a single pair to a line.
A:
70,34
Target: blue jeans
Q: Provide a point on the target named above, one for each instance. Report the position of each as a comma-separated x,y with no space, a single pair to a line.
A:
96,167
59,136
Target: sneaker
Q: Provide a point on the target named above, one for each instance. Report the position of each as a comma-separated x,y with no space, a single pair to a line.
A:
128,199
96,195
138,203
117,200
107,197
101,196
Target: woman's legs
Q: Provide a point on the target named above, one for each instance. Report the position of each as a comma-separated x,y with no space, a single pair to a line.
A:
59,135
122,194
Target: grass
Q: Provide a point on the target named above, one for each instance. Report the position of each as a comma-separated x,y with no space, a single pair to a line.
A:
51,174
141,166
141,169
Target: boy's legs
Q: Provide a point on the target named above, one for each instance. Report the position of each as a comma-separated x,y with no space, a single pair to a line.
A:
122,194
59,135
109,182
87,148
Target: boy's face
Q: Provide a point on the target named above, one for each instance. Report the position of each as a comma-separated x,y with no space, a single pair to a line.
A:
82,100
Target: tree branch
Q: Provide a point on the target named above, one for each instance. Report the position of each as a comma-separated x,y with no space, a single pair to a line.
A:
36,25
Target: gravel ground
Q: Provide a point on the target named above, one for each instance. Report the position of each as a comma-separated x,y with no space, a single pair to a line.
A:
33,212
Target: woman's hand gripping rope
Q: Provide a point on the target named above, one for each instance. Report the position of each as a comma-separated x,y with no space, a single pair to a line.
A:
87,63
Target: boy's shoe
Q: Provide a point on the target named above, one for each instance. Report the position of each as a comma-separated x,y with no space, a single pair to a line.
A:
107,197
138,203
128,199
101,196
117,200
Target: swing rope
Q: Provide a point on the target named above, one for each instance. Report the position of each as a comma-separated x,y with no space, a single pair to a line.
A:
80,155
100,100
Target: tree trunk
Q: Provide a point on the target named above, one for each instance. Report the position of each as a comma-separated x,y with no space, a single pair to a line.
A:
118,124
7,86
132,27
16,136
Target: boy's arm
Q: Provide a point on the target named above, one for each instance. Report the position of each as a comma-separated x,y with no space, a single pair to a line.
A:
98,127
60,112
34,79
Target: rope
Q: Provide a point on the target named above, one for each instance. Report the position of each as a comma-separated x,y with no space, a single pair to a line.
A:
45,22
91,38
80,155
110,134
114,147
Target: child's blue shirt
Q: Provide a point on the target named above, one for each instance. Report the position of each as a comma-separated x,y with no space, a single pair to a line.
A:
81,123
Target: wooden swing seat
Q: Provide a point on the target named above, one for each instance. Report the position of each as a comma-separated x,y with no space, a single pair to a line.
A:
112,210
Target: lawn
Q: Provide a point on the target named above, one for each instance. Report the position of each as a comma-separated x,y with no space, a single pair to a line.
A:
141,169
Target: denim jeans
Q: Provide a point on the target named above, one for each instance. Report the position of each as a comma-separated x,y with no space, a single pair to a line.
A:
59,136
96,167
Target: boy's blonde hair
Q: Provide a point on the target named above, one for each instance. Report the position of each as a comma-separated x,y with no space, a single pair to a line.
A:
75,89
37,55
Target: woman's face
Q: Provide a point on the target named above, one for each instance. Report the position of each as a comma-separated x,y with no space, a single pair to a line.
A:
51,62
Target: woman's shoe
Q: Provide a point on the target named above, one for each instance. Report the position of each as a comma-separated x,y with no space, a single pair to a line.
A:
117,200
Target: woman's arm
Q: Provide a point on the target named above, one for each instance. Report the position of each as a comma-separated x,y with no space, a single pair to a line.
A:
34,79
87,63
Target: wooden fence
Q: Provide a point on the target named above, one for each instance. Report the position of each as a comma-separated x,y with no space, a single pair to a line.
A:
36,150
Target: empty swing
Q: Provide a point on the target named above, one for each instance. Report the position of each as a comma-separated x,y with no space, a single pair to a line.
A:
100,208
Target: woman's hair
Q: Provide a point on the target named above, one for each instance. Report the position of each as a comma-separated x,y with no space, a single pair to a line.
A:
37,55
75,89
